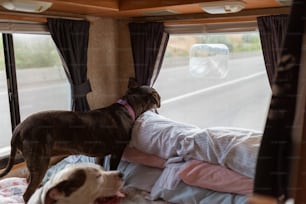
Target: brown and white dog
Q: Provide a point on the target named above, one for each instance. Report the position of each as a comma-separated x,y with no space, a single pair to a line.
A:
96,133
83,183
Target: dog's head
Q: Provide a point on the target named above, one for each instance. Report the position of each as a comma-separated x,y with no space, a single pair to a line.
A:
142,98
82,183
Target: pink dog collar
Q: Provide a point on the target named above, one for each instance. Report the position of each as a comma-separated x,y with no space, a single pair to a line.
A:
128,107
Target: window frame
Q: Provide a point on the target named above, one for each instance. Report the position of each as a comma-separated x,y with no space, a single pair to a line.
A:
227,27
10,68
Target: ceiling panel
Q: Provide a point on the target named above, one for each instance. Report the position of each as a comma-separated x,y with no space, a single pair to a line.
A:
133,8
151,8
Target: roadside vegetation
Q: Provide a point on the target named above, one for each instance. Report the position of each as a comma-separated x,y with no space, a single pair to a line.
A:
236,43
239,45
30,51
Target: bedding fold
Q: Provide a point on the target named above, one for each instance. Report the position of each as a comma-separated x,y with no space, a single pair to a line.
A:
234,148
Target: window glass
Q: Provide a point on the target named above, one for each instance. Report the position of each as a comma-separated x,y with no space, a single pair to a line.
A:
215,80
5,121
41,80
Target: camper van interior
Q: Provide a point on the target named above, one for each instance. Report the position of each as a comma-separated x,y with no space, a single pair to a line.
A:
230,128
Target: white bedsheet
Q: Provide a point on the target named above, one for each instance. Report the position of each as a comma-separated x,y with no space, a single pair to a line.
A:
234,148
142,178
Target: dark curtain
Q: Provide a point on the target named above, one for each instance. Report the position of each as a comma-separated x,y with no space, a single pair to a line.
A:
71,39
148,41
272,30
274,157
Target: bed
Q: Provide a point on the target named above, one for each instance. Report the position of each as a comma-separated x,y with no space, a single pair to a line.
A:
172,162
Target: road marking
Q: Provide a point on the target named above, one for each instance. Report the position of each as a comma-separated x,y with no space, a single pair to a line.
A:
4,151
212,87
2,93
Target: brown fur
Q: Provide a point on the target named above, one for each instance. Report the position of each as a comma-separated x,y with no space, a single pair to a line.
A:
95,133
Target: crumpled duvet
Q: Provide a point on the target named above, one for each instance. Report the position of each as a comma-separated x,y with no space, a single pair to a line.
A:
12,189
234,148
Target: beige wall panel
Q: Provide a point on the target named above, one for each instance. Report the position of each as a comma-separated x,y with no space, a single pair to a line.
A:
110,62
102,62
126,66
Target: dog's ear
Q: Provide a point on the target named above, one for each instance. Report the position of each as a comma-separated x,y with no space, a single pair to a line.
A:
145,92
67,186
156,98
53,195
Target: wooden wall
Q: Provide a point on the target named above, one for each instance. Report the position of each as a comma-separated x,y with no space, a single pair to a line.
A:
110,61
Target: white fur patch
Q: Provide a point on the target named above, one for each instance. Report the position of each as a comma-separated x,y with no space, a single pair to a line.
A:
98,183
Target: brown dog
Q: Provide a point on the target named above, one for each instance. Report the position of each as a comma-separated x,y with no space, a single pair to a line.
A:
95,133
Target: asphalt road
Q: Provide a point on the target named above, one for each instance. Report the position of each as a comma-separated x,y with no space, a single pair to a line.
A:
239,100
47,96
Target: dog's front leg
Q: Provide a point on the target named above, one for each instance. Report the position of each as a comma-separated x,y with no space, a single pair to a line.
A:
115,160
104,161
99,160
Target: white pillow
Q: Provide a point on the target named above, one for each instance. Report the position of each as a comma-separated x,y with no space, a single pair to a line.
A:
158,135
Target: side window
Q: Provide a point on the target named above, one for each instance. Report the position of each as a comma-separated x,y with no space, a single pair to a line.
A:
41,81
215,80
